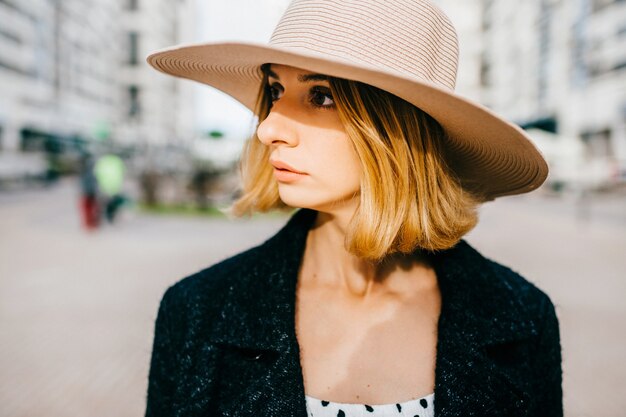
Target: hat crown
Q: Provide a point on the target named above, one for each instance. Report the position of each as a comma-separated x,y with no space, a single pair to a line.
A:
414,39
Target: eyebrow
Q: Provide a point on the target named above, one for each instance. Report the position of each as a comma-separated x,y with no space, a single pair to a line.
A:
303,78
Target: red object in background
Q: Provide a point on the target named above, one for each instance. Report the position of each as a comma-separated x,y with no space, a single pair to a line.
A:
89,211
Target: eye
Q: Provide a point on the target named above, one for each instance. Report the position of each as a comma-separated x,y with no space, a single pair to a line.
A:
321,97
273,91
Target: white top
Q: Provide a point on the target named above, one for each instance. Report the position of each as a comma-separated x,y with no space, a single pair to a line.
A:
419,407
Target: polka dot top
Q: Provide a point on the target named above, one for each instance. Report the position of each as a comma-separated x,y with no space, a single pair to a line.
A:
419,407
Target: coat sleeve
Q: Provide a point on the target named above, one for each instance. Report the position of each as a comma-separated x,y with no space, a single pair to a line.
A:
161,378
548,368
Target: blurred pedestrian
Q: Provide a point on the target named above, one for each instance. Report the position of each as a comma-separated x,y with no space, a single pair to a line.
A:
89,209
109,171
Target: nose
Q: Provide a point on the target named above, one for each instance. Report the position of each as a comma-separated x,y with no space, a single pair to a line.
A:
277,129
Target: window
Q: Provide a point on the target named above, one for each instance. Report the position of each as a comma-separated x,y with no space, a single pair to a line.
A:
598,5
134,106
133,48
485,71
598,143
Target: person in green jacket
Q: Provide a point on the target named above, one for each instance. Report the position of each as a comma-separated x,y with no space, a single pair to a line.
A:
109,170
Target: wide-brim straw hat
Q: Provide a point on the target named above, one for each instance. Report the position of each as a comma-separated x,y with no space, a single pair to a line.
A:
406,47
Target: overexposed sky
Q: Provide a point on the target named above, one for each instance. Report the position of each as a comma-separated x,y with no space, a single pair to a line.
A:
233,20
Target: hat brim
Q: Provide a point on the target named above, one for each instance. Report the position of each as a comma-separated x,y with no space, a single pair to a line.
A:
491,156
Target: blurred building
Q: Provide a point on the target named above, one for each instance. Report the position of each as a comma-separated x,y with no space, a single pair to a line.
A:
74,72
466,16
600,116
560,66
158,108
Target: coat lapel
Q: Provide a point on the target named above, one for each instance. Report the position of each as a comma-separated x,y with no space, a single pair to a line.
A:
262,319
478,310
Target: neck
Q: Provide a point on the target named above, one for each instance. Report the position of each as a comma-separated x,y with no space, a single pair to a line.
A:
328,263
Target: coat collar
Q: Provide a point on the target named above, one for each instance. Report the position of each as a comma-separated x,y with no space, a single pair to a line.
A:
478,309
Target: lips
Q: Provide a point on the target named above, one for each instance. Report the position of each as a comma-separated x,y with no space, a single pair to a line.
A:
285,173
285,167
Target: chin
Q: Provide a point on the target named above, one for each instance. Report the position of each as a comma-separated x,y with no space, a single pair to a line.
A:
301,200
315,200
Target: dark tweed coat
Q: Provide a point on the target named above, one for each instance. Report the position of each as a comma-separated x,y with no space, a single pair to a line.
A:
225,342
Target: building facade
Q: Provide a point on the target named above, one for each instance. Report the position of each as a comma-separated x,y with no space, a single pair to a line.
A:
560,66
467,17
74,71
159,108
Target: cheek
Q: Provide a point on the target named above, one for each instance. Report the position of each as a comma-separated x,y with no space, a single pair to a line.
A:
338,162
349,170
336,167
335,174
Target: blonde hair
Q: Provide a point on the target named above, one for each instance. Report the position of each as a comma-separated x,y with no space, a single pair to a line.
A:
409,197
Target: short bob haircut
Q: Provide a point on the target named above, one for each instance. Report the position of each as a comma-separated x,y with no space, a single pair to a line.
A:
409,198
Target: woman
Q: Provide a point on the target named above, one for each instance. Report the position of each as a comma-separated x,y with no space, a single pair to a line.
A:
368,301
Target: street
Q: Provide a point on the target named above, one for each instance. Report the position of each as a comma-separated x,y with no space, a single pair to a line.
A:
77,309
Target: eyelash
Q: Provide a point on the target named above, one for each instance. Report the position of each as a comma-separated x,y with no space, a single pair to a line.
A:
314,91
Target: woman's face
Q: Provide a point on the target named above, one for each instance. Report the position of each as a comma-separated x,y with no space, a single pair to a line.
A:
314,162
